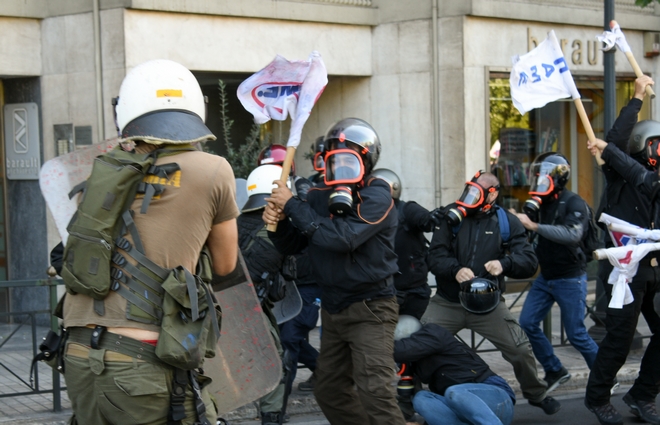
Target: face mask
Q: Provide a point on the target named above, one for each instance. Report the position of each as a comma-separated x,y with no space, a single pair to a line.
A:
542,187
343,170
653,150
473,199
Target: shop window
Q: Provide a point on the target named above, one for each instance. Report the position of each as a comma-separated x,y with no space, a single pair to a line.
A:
515,140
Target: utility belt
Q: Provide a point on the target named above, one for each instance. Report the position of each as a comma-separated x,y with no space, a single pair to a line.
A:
100,339
121,348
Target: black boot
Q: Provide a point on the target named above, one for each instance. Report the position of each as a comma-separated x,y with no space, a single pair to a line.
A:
270,418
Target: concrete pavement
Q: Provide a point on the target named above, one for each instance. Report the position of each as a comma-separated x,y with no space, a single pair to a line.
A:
15,355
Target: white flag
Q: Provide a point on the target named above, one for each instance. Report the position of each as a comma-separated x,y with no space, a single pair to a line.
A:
285,87
541,76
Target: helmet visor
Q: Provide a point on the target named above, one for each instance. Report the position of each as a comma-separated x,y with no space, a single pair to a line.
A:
343,166
472,197
542,183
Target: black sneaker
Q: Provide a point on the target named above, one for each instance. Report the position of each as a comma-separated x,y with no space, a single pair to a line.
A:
555,379
606,414
549,405
645,410
270,418
309,384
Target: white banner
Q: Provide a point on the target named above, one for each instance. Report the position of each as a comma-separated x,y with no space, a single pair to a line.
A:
285,87
541,76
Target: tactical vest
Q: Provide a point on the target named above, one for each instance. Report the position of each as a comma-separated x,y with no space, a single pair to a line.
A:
95,258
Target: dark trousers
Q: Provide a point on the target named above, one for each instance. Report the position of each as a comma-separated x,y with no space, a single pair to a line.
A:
355,370
293,334
620,325
413,302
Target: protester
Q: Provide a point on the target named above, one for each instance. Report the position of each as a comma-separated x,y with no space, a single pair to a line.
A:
561,220
622,323
112,371
623,200
462,388
348,224
474,245
411,281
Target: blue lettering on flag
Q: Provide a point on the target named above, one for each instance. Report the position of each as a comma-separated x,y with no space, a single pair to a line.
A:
535,75
277,91
289,90
549,69
563,68
523,79
271,92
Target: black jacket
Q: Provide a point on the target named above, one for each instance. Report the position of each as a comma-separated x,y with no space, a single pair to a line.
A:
439,359
264,262
411,246
352,257
622,199
559,237
647,182
478,241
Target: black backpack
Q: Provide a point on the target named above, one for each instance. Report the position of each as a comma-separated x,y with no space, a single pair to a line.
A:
590,239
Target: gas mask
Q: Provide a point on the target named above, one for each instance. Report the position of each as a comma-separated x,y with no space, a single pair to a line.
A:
343,170
473,199
542,188
653,152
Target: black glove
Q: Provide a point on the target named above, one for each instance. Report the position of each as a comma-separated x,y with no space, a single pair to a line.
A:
438,215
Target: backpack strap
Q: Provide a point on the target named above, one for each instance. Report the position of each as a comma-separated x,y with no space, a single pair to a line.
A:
503,220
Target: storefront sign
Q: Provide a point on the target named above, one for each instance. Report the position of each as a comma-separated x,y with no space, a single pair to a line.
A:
22,150
577,51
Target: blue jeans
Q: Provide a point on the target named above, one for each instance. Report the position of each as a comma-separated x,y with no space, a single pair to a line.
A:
465,404
571,296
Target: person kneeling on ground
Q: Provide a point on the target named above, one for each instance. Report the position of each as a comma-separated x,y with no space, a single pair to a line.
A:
462,388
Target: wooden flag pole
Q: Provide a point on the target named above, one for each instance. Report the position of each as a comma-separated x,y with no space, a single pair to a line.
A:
639,73
286,169
635,66
587,125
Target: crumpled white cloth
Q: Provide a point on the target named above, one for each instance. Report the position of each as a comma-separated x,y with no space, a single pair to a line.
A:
614,36
625,260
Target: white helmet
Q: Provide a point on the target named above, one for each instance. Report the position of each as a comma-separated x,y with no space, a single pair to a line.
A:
260,185
160,101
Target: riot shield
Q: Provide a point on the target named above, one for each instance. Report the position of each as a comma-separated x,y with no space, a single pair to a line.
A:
61,174
290,306
247,365
241,193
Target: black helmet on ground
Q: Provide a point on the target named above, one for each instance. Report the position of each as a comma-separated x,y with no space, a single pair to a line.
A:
479,295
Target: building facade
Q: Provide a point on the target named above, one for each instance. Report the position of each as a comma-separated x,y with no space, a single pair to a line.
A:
430,75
